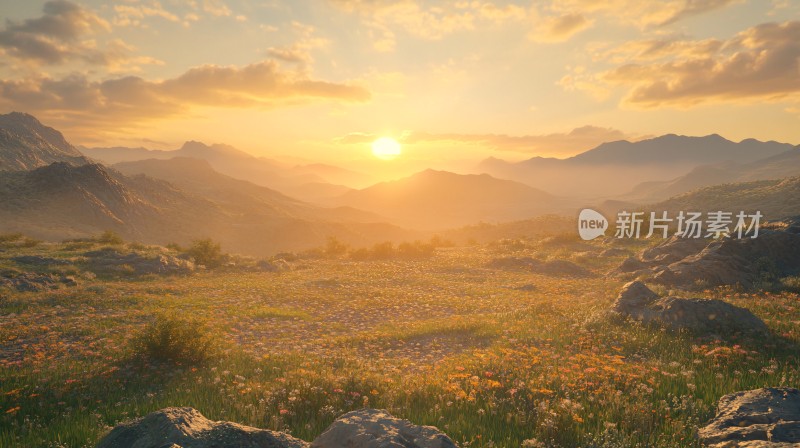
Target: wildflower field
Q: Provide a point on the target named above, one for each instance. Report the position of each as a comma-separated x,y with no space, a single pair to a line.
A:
493,357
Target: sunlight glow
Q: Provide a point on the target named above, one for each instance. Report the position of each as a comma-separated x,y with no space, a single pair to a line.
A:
386,148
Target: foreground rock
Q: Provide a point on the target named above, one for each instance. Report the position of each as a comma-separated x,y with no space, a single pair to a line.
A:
768,418
187,428
697,315
374,428
110,260
683,262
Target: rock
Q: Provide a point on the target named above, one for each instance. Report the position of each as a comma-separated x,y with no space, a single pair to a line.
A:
684,262
630,264
768,417
38,260
613,252
31,282
111,260
634,298
187,428
696,315
374,428
277,265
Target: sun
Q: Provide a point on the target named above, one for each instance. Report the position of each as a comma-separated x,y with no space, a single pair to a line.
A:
386,148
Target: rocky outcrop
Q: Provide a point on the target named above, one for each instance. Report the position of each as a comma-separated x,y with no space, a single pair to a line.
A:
768,418
32,282
375,428
110,260
683,262
187,428
696,315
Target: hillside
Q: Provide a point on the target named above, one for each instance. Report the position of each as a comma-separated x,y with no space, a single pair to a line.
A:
435,200
776,199
25,144
62,201
198,177
783,165
309,182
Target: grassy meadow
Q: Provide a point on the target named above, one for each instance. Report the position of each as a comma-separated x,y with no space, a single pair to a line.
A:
495,358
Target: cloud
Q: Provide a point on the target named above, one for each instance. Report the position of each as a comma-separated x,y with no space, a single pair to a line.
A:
559,29
131,99
555,144
384,19
55,37
760,63
640,13
132,15
216,8
64,33
696,7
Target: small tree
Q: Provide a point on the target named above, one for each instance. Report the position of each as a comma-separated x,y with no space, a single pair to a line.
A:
206,252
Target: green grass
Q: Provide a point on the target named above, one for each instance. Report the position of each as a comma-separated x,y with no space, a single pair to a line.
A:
442,341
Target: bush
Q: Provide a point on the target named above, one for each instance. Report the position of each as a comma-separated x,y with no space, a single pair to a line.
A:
176,339
110,237
206,252
334,247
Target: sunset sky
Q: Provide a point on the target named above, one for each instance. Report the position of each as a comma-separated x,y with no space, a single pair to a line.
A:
453,81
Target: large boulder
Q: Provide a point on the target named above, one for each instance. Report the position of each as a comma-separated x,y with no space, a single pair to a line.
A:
187,428
374,428
768,418
696,315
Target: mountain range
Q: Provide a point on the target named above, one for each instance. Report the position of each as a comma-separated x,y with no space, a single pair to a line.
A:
50,189
313,182
626,169
435,200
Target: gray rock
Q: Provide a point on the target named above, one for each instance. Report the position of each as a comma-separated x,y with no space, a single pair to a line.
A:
696,315
109,260
768,418
38,260
32,282
187,428
374,428
684,262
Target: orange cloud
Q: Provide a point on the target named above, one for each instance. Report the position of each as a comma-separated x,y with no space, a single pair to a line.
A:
760,63
129,100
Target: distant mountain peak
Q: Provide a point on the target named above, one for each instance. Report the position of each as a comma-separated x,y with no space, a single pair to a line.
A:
25,143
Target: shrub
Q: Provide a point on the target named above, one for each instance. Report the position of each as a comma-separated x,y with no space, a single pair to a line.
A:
110,237
10,237
176,247
334,247
176,339
382,251
206,252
